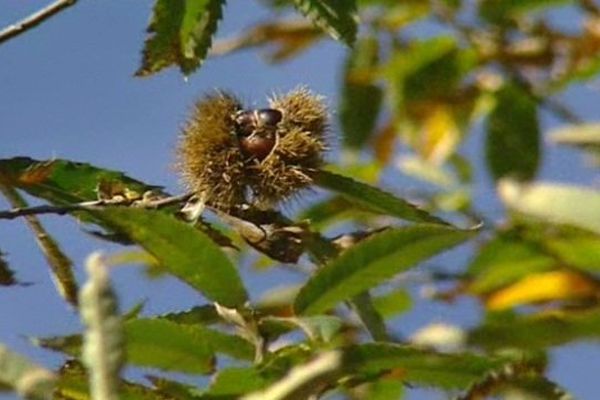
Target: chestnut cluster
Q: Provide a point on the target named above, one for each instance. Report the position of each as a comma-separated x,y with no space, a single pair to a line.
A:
230,156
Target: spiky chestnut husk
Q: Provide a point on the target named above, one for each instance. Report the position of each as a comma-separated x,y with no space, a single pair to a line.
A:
298,152
208,155
230,156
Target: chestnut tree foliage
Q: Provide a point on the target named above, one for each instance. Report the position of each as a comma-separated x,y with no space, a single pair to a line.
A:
489,68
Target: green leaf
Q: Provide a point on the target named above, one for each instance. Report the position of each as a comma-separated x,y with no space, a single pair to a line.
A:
236,381
182,250
513,135
173,389
498,11
70,344
180,34
373,321
555,203
72,384
427,70
203,315
61,266
336,17
504,260
186,348
318,327
303,381
450,371
23,376
62,181
360,100
164,344
534,387
328,211
578,251
392,303
532,332
372,261
373,199
386,389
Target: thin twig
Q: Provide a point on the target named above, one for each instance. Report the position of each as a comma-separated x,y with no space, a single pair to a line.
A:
34,19
91,205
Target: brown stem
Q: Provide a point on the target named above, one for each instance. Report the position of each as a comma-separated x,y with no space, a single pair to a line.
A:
34,19
89,205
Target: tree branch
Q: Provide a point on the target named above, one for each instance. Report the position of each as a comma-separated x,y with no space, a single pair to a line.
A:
34,19
91,205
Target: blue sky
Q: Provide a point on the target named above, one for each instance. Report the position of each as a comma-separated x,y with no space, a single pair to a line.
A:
67,90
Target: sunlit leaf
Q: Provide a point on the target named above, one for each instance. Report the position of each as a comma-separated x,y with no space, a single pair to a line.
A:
439,336
546,286
505,260
536,331
419,366
556,203
386,389
360,100
372,261
578,251
336,17
584,135
439,134
236,381
182,250
513,135
24,376
373,199
180,34
62,181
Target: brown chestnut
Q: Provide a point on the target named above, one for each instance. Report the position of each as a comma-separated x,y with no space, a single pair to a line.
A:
257,146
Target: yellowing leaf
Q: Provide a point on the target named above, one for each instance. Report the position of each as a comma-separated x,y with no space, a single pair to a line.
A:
547,286
439,135
384,142
37,173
